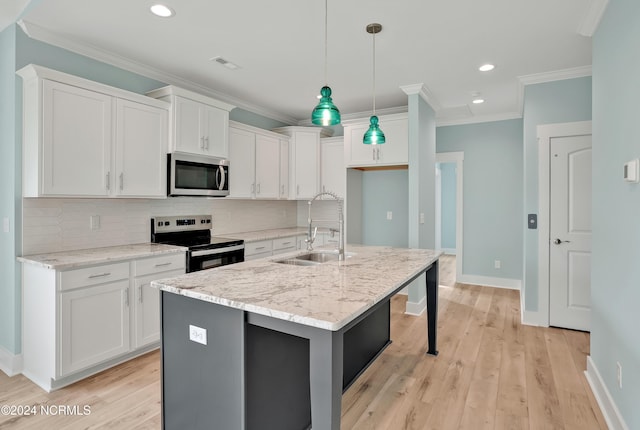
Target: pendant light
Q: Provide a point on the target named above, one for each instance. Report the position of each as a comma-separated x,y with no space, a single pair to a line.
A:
374,136
326,113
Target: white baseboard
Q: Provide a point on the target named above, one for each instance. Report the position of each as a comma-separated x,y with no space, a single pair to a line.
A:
9,363
449,251
489,281
533,318
418,308
608,407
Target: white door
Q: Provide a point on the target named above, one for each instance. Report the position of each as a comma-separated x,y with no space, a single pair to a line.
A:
570,232
267,167
242,153
188,131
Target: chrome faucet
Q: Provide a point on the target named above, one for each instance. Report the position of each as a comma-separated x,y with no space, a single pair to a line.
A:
311,234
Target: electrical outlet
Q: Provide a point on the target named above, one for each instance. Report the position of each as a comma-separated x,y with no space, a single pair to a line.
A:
619,374
497,264
389,215
94,222
198,334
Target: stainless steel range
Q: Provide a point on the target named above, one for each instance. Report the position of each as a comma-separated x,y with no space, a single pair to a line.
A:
194,232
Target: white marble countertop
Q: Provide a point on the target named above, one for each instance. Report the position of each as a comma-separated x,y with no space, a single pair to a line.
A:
87,257
327,296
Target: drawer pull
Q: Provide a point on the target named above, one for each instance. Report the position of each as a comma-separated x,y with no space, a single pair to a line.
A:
164,264
259,247
99,275
286,243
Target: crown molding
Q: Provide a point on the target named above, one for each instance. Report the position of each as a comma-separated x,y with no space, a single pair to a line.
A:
39,33
424,92
478,119
592,18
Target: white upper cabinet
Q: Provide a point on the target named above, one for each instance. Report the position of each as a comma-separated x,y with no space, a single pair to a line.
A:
395,151
333,173
304,161
85,139
255,163
199,124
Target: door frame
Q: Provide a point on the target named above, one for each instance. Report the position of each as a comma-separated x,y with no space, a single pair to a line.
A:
458,158
546,133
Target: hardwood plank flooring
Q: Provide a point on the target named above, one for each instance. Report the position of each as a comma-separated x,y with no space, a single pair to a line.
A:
491,373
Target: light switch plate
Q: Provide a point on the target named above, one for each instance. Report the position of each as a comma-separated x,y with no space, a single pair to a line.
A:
389,215
198,334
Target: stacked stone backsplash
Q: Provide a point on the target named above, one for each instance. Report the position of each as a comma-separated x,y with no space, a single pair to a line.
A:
51,225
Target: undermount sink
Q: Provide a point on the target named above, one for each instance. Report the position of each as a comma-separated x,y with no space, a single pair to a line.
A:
311,258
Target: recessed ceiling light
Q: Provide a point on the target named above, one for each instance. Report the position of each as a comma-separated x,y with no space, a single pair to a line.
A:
162,11
478,101
486,67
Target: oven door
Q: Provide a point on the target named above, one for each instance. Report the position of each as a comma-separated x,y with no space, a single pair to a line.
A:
210,258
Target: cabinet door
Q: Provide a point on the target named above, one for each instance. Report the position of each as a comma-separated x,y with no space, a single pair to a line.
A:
356,152
242,165
306,164
188,128
396,148
267,167
147,308
76,141
333,174
284,168
95,325
141,150
216,141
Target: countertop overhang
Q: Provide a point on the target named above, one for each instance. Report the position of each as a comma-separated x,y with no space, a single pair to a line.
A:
327,296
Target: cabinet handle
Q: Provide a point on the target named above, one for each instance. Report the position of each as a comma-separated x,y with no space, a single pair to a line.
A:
259,247
121,181
99,275
253,188
140,294
297,190
286,243
258,188
126,297
282,192
163,264
108,181
206,142
323,189
202,142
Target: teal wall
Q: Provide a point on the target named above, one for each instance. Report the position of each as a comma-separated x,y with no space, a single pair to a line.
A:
615,289
246,117
492,195
9,203
448,186
552,102
384,191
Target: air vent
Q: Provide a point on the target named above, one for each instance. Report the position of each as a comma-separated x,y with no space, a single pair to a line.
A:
225,63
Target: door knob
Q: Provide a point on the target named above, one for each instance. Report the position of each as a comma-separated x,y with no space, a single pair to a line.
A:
558,241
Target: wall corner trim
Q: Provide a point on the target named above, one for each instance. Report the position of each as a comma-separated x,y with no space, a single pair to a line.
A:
424,92
416,308
607,405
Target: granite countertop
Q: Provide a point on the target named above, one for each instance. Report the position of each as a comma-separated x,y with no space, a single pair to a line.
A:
327,296
86,257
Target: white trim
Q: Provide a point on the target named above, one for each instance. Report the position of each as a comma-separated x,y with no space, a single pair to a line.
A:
541,78
545,133
424,92
38,33
458,158
449,251
9,363
610,411
592,18
443,122
533,318
418,308
490,281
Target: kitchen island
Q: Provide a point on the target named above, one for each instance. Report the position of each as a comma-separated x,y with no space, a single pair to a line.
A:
262,344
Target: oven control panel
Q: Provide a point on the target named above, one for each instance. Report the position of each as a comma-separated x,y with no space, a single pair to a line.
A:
169,224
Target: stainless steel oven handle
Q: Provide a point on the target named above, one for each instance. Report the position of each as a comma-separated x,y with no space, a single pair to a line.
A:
216,251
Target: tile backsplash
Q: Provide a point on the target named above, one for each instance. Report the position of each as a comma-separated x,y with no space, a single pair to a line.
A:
55,224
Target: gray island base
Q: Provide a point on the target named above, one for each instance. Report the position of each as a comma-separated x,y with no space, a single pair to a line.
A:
262,345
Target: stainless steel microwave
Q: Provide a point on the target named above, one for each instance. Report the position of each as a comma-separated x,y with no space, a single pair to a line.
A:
197,175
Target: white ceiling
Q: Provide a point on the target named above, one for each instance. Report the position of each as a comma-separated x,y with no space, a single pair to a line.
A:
279,46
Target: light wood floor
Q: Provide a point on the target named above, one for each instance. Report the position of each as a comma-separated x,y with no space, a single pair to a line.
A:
492,373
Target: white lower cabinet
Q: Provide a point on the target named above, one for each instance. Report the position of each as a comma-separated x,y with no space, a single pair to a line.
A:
95,325
258,249
81,321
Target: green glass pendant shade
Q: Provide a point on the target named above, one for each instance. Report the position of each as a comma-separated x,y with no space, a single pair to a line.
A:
373,136
326,113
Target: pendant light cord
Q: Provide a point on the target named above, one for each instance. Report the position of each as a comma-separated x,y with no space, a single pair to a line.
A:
374,73
326,14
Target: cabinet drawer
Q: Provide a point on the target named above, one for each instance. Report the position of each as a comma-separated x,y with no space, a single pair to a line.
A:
258,247
284,243
164,263
93,275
